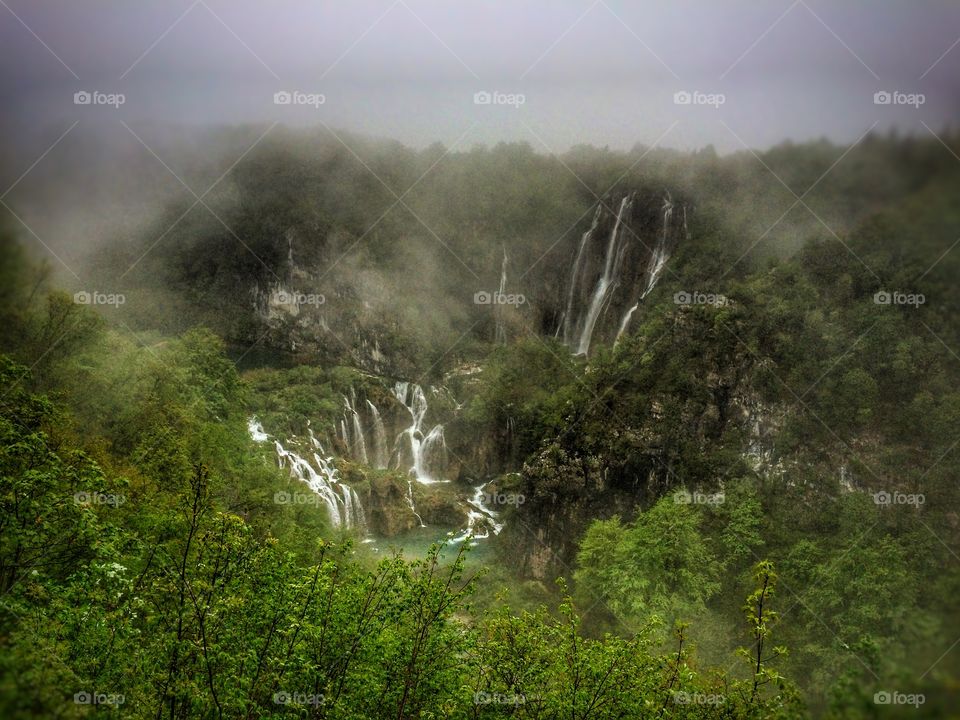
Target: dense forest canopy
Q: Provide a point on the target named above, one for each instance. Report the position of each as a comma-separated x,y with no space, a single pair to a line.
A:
739,501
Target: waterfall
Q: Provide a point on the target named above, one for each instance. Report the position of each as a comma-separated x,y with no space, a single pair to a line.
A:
352,509
569,320
321,485
614,256
500,334
660,256
341,502
256,430
479,516
353,434
426,453
657,262
381,453
626,319
413,507
358,437
433,452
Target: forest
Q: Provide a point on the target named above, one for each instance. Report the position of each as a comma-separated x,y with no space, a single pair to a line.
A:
683,473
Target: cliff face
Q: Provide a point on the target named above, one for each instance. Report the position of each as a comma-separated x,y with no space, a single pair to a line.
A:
325,308
674,421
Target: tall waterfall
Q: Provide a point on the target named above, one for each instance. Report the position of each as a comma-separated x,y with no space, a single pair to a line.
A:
657,262
412,504
614,256
351,428
500,334
381,451
569,319
426,453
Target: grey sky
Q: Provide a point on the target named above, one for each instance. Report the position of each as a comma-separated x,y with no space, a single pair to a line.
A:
594,72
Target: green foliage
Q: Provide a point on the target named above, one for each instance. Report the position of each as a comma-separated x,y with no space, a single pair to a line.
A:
196,596
657,565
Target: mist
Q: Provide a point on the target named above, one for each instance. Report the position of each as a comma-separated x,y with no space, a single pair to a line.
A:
506,358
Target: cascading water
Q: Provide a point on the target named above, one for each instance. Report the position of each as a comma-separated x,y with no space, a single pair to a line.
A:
381,451
614,256
412,504
352,430
425,453
480,519
256,431
657,262
500,334
342,503
422,452
353,509
569,321
412,446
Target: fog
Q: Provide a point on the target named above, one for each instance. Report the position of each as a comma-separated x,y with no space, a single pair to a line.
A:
601,72
557,74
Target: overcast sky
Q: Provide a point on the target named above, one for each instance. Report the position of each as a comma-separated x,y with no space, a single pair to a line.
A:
601,72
